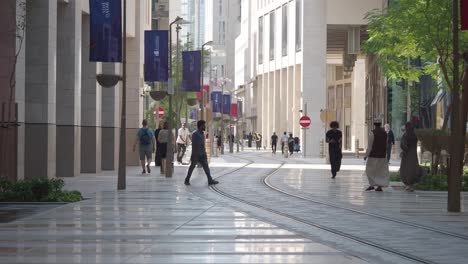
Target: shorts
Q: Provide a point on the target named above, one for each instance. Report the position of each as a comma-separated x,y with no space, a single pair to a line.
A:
145,151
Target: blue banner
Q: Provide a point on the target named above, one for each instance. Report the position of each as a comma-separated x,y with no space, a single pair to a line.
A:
105,32
156,55
194,113
191,61
216,101
226,104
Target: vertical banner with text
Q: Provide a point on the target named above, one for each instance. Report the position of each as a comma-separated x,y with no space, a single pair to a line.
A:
191,74
226,104
156,55
216,99
105,33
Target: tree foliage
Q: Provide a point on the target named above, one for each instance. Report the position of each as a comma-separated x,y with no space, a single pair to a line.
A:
410,30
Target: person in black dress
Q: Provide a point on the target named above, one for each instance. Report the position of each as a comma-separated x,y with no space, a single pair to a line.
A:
333,138
157,157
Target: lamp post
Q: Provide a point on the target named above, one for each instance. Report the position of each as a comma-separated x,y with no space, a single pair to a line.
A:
209,43
121,178
170,150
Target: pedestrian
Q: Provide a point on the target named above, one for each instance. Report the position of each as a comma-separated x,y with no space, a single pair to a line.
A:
274,140
291,144
249,140
333,138
259,141
146,145
163,138
410,171
157,156
199,154
377,164
284,139
390,141
219,143
182,142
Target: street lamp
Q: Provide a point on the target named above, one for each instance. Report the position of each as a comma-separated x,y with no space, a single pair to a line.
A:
209,43
170,150
121,172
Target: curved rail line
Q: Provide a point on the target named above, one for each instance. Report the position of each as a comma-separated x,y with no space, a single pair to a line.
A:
265,182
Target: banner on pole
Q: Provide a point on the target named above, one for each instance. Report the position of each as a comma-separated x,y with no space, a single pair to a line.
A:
464,14
234,110
191,61
206,88
156,56
226,104
105,32
216,99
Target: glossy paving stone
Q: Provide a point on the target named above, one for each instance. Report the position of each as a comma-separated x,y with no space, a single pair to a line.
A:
156,220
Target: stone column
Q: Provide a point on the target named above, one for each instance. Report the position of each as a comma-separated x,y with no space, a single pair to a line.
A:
135,49
314,52
90,107
110,120
40,94
68,88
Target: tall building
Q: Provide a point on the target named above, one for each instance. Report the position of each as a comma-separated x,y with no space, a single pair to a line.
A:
67,123
296,58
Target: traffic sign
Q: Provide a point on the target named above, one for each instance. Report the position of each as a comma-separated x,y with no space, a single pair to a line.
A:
161,112
304,121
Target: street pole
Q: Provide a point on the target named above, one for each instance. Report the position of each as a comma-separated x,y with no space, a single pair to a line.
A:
455,170
170,151
222,118
177,83
202,108
121,180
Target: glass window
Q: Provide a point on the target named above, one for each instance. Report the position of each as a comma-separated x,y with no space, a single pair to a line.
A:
260,40
298,25
285,31
272,35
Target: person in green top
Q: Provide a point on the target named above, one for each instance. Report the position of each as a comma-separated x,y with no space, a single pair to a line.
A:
146,145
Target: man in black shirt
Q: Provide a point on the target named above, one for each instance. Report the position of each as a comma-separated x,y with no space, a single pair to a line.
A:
199,154
274,141
333,138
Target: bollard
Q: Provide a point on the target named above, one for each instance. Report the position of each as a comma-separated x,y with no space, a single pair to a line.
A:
357,148
322,149
286,149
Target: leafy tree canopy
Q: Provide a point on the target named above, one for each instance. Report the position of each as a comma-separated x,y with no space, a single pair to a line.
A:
411,30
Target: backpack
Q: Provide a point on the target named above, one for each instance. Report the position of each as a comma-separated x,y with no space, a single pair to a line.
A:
145,138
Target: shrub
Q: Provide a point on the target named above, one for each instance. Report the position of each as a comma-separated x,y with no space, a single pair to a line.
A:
432,182
36,190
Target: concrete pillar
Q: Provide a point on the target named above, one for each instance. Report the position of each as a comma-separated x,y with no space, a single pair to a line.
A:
90,107
358,112
110,121
41,31
68,88
314,69
135,55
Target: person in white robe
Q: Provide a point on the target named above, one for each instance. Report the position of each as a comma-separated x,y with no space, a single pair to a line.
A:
377,164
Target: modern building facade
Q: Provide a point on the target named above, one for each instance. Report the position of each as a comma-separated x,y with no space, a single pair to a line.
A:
67,123
296,58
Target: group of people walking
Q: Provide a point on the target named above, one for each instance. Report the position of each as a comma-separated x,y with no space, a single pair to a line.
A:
149,143
378,154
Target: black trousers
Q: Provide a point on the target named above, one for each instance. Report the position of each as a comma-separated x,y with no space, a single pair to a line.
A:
282,147
335,160
389,152
273,147
181,148
203,160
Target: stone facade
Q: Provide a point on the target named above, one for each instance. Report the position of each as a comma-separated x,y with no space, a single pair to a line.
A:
69,124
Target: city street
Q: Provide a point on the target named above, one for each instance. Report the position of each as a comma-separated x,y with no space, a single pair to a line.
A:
266,209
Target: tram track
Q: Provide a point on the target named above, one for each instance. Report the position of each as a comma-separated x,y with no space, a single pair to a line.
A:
265,182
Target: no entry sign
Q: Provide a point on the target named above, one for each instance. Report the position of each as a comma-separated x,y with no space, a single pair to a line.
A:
161,112
304,121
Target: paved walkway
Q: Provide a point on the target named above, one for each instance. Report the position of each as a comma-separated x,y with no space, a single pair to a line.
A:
159,220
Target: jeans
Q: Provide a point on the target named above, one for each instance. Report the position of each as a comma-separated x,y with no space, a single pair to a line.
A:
335,160
273,147
203,160
180,151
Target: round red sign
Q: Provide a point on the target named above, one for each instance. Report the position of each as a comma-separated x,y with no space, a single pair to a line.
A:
304,121
161,112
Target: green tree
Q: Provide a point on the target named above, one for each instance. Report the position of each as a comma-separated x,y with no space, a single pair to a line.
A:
424,29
